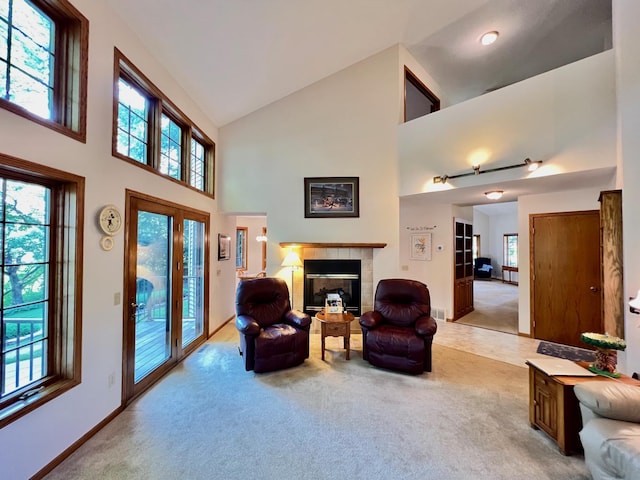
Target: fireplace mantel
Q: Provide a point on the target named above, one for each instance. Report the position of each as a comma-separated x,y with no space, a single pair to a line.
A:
332,245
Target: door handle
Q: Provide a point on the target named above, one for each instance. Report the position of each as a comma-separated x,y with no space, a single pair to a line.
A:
137,305
594,289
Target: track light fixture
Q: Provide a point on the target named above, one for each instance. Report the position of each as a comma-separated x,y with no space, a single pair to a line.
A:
530,164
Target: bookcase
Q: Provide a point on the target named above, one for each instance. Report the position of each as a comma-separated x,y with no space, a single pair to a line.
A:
463,268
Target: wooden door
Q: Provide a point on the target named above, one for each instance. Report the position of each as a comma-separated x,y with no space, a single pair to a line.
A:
566,294
463,268
166,308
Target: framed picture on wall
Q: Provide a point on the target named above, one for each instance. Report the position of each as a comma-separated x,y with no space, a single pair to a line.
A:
420,246
224,246
326,197
241,248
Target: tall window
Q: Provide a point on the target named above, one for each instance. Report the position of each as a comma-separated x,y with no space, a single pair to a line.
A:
40,239
133,122
153,133
476,246
197,165
170,148
43,63
510,250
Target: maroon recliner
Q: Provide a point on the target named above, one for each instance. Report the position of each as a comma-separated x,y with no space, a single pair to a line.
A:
272,336
399,332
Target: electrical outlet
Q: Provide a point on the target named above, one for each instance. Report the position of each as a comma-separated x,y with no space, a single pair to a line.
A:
404,268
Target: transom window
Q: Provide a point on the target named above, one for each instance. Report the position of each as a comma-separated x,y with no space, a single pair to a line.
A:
40,239
510,249
43,63
151,132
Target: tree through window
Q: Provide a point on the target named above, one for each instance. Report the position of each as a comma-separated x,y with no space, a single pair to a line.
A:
40,239
43,63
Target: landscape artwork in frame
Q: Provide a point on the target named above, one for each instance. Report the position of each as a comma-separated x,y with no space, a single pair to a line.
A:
224,247
420,247
326,197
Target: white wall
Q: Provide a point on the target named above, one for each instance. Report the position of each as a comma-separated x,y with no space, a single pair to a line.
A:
254,225
419,216
501,225
30,443
481,227
343,125
626,40
565,117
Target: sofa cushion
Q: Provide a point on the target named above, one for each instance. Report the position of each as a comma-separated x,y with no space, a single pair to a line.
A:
610,399
611,449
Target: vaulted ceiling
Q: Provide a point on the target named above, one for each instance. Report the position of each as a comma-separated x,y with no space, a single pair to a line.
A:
236,56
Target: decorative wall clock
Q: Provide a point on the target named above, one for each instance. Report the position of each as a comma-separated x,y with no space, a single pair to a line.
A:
110,220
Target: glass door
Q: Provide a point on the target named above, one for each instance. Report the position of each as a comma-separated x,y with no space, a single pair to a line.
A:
152,308
165,287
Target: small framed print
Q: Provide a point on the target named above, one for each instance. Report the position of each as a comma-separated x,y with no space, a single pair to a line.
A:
420,247
326,197
224,246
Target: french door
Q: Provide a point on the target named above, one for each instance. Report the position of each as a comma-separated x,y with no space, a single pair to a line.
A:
165,311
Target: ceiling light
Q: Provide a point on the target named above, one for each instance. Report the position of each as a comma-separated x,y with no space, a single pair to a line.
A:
494,194
488,38
530,164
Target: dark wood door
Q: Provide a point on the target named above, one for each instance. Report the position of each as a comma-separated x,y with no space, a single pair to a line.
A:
566,294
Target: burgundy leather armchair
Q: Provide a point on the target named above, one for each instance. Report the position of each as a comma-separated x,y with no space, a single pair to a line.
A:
399,332
272,336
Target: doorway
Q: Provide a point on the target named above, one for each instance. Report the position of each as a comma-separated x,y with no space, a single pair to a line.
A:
166,300
495,303
566,298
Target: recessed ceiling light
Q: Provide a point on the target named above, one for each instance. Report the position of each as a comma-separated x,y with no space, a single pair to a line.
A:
489,37
494,194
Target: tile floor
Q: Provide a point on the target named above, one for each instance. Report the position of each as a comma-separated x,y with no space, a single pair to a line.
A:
504,347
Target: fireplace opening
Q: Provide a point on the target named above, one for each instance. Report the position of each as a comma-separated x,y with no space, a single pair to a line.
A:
331,276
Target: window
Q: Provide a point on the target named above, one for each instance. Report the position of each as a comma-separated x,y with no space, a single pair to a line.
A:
151,132
476,246
418,99
40,247
133,123
510,250
241,248
43,63
170,148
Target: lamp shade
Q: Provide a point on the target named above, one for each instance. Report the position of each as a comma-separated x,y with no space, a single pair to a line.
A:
291,260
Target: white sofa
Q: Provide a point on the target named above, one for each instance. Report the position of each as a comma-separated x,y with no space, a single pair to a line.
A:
611,429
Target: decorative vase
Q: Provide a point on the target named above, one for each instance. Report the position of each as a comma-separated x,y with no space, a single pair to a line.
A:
606,352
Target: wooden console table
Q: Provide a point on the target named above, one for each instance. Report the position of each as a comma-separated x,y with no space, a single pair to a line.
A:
554,408
506,268
336,325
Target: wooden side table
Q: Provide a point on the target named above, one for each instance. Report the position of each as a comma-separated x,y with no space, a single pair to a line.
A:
554,408
336,325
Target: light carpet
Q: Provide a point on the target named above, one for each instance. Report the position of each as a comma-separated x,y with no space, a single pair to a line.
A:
338,419
495,306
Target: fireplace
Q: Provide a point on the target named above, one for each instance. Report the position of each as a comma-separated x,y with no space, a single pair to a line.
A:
332,276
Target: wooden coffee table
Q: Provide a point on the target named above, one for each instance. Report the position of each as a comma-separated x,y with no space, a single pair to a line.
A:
336,325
